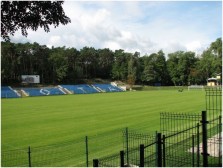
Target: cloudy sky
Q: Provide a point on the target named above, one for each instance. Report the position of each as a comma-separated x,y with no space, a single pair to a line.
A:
144,26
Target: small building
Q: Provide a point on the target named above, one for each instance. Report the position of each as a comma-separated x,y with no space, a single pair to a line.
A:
212,82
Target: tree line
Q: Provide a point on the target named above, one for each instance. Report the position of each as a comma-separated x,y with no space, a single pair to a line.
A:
69,66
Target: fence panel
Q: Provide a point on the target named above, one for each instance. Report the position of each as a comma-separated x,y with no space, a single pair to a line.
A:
130,141
132,147
110,161
181,150
214,110
214,142
213,102
107,144
64,154
182,138
15,158
150,153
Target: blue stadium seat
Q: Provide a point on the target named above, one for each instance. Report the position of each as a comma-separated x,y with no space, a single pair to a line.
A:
8,92
53,91
43,91
33,91
80,89
107,88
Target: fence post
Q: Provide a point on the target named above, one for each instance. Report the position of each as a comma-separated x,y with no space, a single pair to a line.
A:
204,139
193,159
122,163
198,145
141,155
220,142
127,145
86,143
159,150
29,156
95,162
164,152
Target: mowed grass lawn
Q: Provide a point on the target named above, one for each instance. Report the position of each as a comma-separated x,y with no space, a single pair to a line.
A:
37,121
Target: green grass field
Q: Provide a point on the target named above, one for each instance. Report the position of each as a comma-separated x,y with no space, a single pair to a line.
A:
38,121
45,120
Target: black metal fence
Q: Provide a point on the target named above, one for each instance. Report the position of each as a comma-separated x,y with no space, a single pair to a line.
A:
186,140
181,133
214,126
63,154
184,146
78,153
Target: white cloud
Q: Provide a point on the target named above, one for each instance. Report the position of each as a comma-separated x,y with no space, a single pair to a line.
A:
18,38
193,46
55,40
111,45
133,26
174,46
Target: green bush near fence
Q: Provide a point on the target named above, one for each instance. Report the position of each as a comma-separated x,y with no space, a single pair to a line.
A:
60,120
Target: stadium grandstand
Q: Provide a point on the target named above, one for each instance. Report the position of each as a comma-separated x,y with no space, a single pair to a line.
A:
8,92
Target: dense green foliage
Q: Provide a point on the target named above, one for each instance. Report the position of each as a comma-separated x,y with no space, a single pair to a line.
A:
69,65
26,15
40,121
